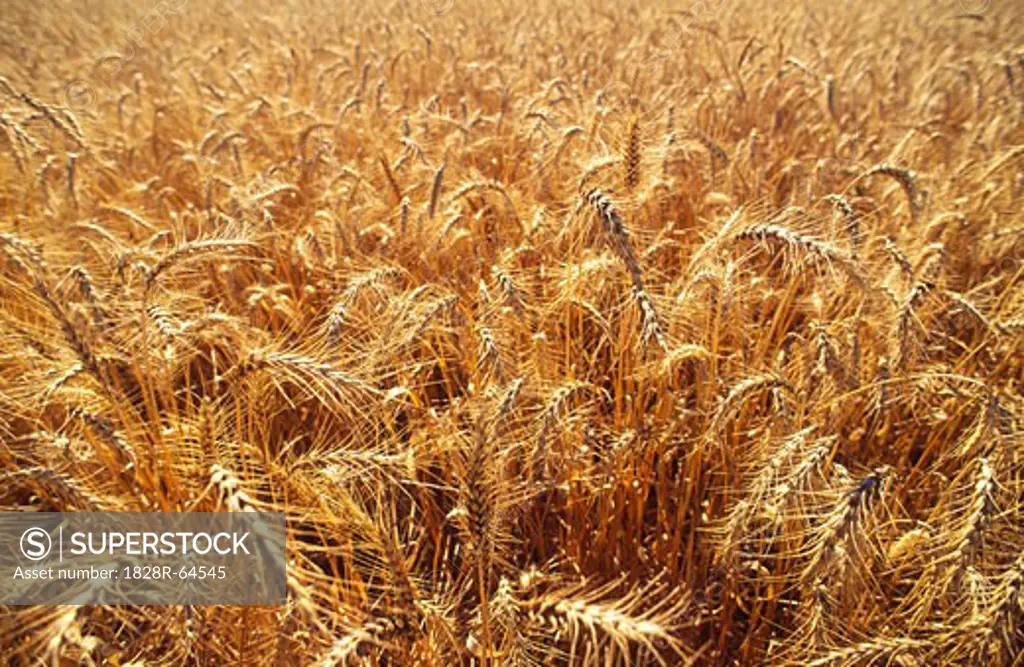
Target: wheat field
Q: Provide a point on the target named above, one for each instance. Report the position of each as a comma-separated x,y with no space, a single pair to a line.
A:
563,333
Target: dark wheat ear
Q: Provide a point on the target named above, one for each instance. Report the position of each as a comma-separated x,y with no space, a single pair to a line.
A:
908,331
488,353
906,179
191,251
334,388
632,154
793,243
435,190
480,491
739,393
618,238
510,292
717,153
844,523
852,221
78,336
66,123
830,97
777,478
389,176
899,258
979,516
337,316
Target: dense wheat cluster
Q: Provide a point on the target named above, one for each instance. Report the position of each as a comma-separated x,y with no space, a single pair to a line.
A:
564,334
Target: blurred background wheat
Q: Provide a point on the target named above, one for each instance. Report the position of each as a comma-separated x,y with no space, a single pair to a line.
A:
563,333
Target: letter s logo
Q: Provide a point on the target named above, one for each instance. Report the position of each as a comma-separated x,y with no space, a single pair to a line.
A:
36,544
